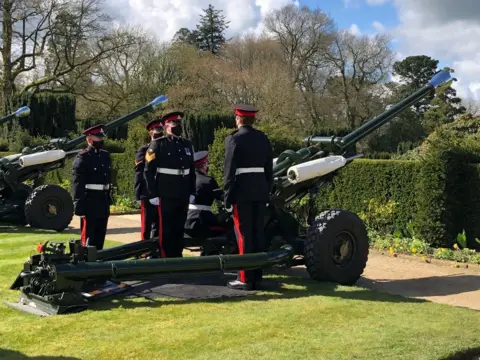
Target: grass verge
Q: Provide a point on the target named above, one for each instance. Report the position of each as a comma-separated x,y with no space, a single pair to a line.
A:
299,318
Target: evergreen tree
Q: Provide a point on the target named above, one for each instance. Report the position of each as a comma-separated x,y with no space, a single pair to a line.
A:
210,30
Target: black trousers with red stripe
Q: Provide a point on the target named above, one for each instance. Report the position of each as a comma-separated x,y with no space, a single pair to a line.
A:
149,220
172,215
93,231
249,221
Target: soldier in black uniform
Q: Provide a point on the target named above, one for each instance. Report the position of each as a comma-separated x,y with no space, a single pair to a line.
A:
248,179
170,180
148,211
201,221
91,188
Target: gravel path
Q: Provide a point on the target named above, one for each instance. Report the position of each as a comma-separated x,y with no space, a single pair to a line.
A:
408,276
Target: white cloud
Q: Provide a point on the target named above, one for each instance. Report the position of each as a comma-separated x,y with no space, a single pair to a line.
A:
378,26
354,29
447,31
165,17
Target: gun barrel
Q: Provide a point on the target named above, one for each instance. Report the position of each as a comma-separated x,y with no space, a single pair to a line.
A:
120,121
137,268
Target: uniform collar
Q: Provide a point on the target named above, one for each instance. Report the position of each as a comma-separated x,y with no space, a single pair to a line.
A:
91,149
245,128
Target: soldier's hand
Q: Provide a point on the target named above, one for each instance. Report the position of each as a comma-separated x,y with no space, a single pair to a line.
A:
155,201
228,208
192,198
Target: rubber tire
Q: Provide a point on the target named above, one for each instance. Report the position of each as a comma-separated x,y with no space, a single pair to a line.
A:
320,240
34,208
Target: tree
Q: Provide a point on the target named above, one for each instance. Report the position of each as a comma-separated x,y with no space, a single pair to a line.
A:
444,109
73,34
360,65
304,36
210,30
186,36
414,72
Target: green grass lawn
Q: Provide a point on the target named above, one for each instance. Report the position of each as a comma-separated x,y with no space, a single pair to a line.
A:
302,319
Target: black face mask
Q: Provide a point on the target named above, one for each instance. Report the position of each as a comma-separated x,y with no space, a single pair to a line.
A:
177,130
156,136
98,144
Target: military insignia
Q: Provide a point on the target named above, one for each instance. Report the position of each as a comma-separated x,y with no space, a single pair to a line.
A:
150,155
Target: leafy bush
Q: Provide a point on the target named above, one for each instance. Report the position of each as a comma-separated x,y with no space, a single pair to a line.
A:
378,216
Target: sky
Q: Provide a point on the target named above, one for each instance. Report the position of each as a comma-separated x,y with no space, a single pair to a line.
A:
445,30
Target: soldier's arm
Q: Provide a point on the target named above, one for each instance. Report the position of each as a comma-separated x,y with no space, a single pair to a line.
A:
229,169
268,167
139,169
218,193
150,169
79,170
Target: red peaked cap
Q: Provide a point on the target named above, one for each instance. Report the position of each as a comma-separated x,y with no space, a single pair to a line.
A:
245,110
96,130
172,116
155,124
200,158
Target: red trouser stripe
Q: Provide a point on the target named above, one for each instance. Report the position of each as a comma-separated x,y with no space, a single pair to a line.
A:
160,228
143,219
236,222
84,230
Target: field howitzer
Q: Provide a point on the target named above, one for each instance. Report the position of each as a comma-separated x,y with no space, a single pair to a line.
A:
46,206
334,247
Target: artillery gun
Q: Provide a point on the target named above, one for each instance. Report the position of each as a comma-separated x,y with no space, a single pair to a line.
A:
47,206
334,247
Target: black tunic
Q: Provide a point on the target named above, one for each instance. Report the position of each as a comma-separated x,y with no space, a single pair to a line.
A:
140,187
170,154
247,148
207,190
91,166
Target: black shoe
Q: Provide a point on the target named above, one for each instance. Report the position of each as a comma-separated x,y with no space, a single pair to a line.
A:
239,285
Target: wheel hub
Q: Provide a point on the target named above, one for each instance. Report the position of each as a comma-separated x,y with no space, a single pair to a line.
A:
343,249
51,208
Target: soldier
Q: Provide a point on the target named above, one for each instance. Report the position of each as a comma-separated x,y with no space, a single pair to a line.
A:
248,179
149,212
170,180
201,221
91,188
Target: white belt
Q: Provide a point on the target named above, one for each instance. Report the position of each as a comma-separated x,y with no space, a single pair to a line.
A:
199,207
249,170
173,171
97,186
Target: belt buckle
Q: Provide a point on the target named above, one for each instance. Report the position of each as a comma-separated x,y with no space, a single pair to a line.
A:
181,172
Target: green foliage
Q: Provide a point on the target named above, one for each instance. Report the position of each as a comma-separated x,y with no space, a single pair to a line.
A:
444,108
396,244
365,179
200,128
379,216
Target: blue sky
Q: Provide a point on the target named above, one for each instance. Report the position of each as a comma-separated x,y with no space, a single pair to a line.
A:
356,12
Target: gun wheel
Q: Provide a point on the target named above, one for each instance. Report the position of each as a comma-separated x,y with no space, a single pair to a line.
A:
336,247
49,207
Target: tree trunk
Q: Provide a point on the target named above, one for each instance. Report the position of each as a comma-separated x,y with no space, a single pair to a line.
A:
7,83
